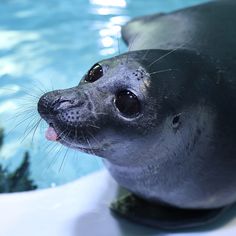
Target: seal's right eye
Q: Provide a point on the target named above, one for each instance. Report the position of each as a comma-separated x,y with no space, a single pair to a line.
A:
95,73
127,103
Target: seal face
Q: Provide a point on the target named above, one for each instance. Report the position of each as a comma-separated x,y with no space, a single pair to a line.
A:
109,92
162,119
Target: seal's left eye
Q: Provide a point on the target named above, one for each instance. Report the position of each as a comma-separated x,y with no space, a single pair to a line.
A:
94,73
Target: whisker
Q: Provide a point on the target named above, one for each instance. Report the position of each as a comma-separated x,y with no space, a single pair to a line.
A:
63,159
167,54
62,136
20,123
55,157
44,89
89,144
41,90
54,160
36,127
23,89
132,42
130,46
22,113
94,126
75,155
93,137
26,135
30,124
101,113
99,144
28,100
145,54
52,87
85,140
161,71
29,93
50,145
24,105
76,134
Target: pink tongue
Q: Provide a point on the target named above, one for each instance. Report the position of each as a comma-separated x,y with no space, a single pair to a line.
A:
51,134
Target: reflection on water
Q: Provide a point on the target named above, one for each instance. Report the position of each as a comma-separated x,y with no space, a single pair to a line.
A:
114,3
48,45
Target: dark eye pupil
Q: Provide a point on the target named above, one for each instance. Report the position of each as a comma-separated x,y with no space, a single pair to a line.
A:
94,73
127,103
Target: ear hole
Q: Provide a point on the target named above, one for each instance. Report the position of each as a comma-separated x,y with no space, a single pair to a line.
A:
176,121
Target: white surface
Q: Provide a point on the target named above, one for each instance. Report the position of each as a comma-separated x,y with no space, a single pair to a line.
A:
79,209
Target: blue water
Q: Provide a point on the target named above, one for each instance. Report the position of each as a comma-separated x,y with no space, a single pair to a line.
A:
50,44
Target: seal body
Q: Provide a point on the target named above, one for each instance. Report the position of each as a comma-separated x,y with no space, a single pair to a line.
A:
163,115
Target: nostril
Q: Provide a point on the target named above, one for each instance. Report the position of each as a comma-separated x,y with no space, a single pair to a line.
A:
62,104
80,103
55,102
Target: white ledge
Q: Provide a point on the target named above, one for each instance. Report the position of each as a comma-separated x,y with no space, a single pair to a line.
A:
77,208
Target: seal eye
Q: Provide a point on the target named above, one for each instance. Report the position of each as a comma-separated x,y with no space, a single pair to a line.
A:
94,73
127,103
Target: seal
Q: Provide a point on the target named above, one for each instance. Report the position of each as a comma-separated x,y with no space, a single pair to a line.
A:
161,115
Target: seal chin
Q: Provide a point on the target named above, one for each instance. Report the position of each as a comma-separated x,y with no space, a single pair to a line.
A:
77,146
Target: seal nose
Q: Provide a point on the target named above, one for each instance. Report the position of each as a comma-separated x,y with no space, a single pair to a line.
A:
52,102
47,103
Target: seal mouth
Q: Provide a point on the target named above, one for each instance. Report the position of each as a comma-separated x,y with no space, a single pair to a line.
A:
51,133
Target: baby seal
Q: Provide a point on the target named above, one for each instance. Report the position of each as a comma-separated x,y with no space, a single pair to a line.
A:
161,115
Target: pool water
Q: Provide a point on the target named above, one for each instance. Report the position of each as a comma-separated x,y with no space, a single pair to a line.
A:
47,45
